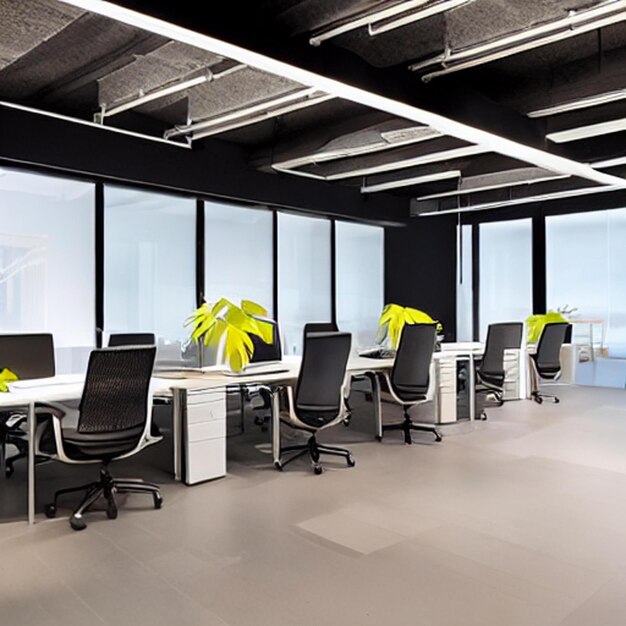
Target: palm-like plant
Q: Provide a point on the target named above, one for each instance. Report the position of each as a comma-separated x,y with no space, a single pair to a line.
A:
6,376
230,326
394,317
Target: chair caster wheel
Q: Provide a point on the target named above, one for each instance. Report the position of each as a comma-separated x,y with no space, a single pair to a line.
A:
379,437
158,501
556,400
8,471
50,510
350,460
77,523
111,512
438,438
538,399
317,469
346,422
278,465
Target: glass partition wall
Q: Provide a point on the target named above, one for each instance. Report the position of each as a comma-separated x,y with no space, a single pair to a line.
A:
47,262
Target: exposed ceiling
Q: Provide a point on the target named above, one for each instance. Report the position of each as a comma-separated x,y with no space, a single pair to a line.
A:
462,104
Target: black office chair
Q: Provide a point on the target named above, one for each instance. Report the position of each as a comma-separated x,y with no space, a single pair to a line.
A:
29,356
318,401
117,340
263,353
112,422
546,362
490,372
408,383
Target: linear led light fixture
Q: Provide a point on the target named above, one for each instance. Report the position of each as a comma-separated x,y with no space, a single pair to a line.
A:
488,141
576,23
409,182
582,103
517,183
586,132
544,197
149,97
424,159
387,19
75,120
261,117
220,120
610,162
390,141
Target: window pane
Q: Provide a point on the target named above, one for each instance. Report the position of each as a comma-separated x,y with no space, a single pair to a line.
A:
47,262
464,290
239,254
149,264
303,276
359,275
616,326
505,272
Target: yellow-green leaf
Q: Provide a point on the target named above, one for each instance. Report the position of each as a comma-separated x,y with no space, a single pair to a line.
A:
6,376
252,308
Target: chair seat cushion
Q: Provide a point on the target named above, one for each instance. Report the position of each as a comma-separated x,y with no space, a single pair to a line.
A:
97,445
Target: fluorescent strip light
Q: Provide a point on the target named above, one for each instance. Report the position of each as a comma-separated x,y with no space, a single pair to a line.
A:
610,162
409,182
582,103
392,139
239,113
488,141
433,157
576,23
366,20
113,129
428,11
585,132
261,117
155,95
555,195
519,183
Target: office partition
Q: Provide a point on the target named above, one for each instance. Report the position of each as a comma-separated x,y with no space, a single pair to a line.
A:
47,261
304,276
149,262
505,265
359,280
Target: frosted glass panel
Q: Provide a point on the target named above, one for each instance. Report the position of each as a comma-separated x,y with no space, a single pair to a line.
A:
149,264
360,280
239,254
47,262
505,272
464,291
303,276
616,323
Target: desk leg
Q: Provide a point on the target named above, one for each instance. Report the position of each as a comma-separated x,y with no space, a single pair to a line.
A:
32,425
472,388
178,402
378,417
275,427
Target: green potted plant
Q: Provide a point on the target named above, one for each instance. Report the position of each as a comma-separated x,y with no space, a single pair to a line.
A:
392,321
535,324
228,327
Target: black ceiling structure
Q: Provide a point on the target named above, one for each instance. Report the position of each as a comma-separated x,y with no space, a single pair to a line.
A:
529,97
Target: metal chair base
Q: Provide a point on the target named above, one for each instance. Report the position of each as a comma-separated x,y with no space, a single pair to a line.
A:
105,488
409,425
539,397
314,450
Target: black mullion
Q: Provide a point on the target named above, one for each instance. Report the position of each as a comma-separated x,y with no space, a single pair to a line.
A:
275,264
333,272
475,281
200,252
539,263
99,254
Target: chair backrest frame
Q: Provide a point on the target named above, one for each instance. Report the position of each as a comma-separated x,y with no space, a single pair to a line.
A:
548,352
500,337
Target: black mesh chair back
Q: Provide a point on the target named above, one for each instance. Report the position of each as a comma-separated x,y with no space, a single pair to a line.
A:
548,355
410,376
318,396
318,327
500,337
115,396
131,339
267,351
28,356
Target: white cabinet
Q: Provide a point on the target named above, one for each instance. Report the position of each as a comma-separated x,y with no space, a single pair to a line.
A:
204,435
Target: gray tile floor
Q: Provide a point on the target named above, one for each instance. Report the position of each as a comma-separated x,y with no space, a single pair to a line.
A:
519,521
